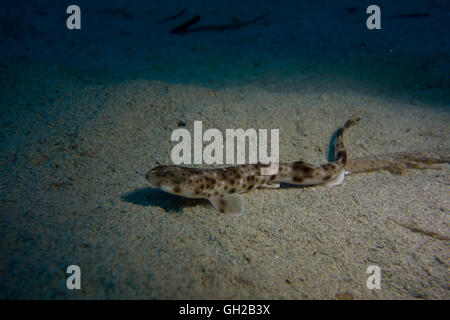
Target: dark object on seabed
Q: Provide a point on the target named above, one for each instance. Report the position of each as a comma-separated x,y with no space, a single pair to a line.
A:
172,17
184,28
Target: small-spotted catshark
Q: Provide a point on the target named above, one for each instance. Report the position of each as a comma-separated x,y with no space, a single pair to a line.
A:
223,186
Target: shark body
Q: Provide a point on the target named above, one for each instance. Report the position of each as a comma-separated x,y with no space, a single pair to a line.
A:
223,187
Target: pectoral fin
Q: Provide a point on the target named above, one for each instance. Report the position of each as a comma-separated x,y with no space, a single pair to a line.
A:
231,204
337,180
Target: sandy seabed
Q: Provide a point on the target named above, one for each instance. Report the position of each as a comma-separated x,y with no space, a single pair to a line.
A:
84,115
73,192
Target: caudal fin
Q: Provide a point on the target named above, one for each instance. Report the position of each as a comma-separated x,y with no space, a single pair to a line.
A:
340,153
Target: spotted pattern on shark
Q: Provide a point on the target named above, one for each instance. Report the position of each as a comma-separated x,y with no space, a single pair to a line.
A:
223,186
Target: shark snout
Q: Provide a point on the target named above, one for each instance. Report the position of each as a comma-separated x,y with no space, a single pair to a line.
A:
152,179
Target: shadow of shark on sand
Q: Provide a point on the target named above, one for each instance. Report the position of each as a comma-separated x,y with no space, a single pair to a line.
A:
149,197
155,197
